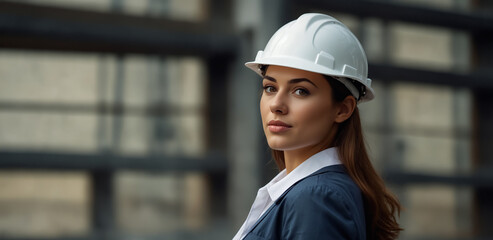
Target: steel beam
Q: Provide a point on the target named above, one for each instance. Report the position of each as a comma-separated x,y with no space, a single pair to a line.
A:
391,73
103,162
478,179
30,26
474,22
103,204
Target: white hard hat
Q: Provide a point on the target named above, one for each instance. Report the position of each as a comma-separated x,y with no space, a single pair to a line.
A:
319,43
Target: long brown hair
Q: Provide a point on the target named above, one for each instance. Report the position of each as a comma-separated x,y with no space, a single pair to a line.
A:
381,206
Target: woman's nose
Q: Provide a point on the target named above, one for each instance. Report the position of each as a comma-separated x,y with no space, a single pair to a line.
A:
278,104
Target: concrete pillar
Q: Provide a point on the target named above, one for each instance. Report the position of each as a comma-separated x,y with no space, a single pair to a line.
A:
483,144
255,21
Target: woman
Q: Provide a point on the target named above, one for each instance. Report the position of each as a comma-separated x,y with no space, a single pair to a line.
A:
314,74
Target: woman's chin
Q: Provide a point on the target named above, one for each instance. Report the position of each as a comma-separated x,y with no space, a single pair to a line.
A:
280,146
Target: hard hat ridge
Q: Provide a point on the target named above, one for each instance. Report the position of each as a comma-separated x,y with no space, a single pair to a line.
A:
318,43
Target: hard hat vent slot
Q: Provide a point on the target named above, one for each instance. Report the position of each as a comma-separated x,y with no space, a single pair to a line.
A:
325,59
350,71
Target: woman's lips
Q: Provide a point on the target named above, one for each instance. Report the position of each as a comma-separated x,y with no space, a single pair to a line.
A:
277,126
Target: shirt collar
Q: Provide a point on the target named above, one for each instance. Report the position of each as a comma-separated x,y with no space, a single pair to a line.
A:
284,181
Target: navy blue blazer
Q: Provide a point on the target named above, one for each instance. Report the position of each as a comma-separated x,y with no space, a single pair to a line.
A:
325,205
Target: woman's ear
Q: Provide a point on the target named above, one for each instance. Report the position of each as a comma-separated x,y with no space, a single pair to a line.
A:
346,109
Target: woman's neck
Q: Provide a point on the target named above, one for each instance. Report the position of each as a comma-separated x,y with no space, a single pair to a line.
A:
294,158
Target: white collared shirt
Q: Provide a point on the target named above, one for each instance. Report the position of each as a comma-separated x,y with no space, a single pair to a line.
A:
269,193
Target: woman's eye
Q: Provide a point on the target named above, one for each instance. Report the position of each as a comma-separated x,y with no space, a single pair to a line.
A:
301,92
269,89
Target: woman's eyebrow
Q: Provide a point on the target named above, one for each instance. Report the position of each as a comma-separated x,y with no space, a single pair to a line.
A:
295,80
270,78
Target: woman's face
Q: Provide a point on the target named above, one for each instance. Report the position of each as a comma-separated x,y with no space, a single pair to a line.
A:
297,109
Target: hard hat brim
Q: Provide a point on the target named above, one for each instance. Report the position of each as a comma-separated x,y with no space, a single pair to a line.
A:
306,66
